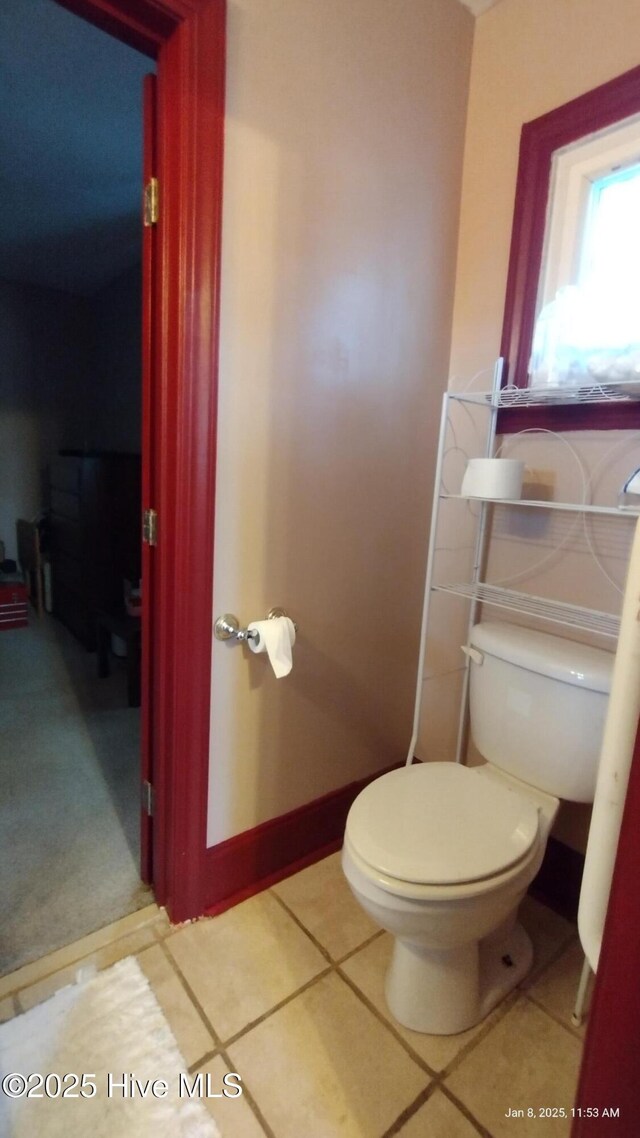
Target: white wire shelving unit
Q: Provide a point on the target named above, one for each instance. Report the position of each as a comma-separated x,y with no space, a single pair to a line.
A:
477,591
619,391
547,504
559,612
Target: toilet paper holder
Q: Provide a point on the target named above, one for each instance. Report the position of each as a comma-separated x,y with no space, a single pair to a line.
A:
227,627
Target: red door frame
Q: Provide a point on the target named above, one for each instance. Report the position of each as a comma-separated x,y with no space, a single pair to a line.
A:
149,258
187,39
610,1074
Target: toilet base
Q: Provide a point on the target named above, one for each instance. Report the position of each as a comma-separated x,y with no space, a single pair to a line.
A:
446,991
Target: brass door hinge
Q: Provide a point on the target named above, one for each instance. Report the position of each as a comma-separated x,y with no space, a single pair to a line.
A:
147,798
151,202
150,527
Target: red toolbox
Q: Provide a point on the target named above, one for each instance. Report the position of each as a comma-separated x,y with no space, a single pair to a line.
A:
13,605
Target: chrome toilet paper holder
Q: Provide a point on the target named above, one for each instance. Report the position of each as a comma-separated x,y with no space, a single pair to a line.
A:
227,626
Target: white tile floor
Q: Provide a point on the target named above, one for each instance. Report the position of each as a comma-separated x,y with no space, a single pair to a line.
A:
287,990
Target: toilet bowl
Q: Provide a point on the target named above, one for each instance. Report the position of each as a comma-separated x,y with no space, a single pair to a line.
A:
440,854
449,894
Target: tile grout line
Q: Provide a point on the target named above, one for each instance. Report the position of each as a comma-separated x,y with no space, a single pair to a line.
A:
259,1019
278,1007
336,961
246,1093
438,1083
365,944
219,1049
190,994
422,1063
409,1111
573,1032
193,1068
464,1110
324,952
222,1047
250,1099
491,1021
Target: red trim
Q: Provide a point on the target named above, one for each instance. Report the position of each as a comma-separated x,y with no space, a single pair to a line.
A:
602,107
143,24
585,417
263,883
191,76
254,860
188,37
609,1074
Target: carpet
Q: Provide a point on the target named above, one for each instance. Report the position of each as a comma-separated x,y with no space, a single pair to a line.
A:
69,794
110,1028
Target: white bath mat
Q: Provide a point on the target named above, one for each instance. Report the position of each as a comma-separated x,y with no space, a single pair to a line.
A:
109,1025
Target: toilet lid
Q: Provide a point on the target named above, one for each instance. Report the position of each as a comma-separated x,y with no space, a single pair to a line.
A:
440,824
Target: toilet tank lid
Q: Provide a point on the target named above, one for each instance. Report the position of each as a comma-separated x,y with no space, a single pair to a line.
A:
553,656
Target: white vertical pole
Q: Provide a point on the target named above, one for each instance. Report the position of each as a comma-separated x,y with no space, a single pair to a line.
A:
429,575
618,741
478,562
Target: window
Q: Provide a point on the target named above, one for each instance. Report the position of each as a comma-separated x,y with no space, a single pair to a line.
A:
588,312
572,309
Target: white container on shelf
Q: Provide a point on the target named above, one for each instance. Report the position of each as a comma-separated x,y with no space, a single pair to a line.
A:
493,478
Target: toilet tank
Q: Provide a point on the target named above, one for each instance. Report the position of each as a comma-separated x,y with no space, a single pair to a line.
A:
537,705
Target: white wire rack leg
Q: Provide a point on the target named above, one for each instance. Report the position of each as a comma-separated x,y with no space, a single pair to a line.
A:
582,994
478,562
427,587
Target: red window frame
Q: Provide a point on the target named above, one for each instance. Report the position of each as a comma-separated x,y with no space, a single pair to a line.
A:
602,107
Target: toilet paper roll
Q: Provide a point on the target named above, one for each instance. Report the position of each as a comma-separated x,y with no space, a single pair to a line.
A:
276,637
493,478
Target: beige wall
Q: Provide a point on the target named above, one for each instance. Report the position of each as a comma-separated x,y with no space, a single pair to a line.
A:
529,56
345,123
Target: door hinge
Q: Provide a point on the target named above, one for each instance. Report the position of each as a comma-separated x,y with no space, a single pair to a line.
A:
151,202
147,798
150,527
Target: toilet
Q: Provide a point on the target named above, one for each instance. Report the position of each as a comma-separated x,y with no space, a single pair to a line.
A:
440,854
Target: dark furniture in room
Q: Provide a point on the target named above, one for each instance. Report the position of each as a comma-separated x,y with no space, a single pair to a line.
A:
95,536
127,628
30,560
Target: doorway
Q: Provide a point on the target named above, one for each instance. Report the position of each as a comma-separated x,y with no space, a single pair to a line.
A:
187,41
70,422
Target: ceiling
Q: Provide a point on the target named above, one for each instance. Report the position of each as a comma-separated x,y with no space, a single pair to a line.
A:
70,149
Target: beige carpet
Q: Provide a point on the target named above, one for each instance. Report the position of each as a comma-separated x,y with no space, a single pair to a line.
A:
111,1030
69,794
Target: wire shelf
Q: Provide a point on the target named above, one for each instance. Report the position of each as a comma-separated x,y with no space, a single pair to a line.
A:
559,612
572,507
620,391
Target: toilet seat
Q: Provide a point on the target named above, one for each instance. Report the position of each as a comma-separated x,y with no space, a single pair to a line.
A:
439,824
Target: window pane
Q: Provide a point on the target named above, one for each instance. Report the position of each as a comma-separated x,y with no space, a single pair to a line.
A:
590,331
610,272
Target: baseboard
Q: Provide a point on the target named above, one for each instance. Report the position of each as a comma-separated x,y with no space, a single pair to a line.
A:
559,879
258,858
